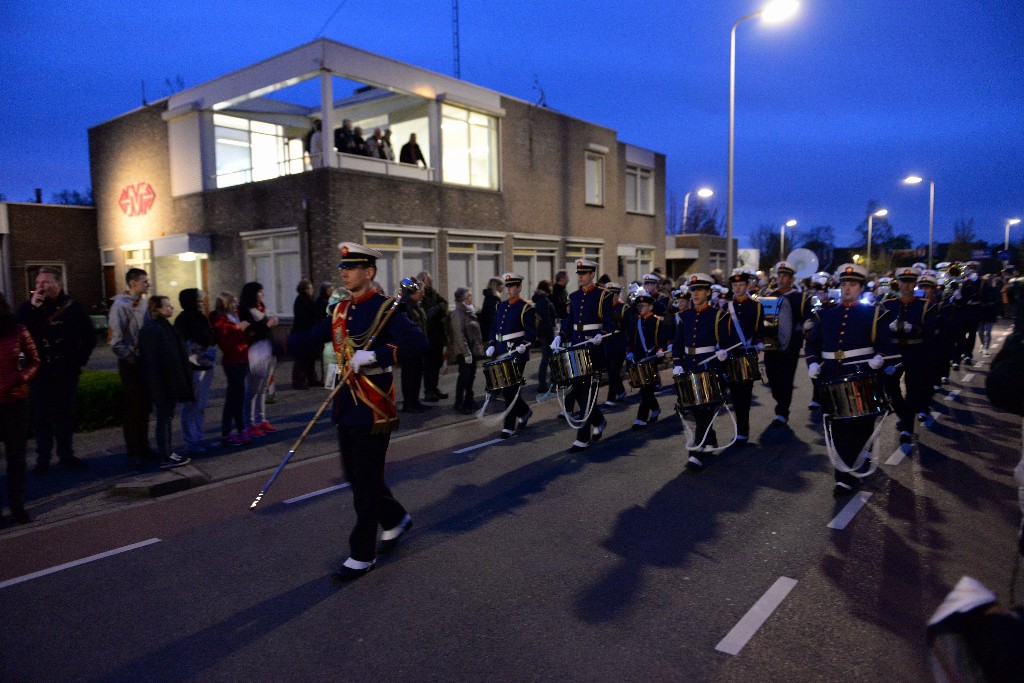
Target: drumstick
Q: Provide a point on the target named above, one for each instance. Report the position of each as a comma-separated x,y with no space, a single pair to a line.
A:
706,360
852,362
590,341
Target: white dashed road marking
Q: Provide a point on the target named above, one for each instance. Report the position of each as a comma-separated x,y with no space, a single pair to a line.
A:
321,492
746,627
467,449
76,563
849,510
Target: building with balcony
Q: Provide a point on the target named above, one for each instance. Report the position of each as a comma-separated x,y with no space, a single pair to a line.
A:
223,183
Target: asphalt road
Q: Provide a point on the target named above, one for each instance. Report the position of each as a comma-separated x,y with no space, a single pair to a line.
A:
530,564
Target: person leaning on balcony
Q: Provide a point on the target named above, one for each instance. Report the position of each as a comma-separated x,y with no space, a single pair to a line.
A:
386,148
411,152
375,145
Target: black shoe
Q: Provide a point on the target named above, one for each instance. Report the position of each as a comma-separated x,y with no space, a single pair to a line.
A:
694,464
578,446
20,516
73,462
906,437
522,421
346,574
654,417
431,398
638,425
414,408
780,422
506,433
440,394
388,546
742,442
174,460
598,431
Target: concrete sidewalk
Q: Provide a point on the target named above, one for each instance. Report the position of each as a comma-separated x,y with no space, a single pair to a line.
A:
108,483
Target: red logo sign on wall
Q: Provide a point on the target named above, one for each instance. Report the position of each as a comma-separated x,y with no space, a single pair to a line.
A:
137,199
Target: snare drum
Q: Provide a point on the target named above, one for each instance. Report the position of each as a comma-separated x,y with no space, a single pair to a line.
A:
743,368
570,364
502,374
644,373
857,395
701,388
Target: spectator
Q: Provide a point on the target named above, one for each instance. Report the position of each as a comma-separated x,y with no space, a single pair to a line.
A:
315,149
436,308
492,297
545,311
19,363
193,324
375,145
358,144
127,316
389,151
411,153
467,346
343,141
560,297
234,347
168,374
261,357
305,315
64,337
412,368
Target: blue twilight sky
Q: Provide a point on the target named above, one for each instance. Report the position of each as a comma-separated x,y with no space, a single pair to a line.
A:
833,107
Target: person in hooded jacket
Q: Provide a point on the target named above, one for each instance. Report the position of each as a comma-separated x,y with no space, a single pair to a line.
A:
234,347
201,344
168,374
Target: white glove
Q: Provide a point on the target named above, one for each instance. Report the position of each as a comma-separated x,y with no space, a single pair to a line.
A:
659,353
677,370
669,350
596,339
808,324
759,346
556,342
489,352
876,362
468,360
813,370
360,358
891,370
521,349
721,354
957,295
892,325
908,328
629,357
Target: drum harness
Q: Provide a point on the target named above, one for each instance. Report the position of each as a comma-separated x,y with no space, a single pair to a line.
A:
595,382
495,420
691,435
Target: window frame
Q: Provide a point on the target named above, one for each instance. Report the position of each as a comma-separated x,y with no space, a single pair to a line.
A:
590,158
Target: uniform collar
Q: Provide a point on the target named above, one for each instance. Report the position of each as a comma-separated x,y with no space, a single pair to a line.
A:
589,288
846,304
701,309
907,301
370,292
741,299
512,301
780,292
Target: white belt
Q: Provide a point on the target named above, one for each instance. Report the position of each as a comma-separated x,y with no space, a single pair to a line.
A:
506,337
374,371
700,349
852,353
587,328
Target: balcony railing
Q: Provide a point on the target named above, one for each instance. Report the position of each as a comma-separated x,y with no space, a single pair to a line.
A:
351,162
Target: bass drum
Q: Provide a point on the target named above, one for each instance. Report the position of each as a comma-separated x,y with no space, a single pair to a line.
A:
570,364
858,395
502,374
701,388
778,322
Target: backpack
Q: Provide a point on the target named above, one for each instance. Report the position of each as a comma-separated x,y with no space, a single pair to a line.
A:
1003,383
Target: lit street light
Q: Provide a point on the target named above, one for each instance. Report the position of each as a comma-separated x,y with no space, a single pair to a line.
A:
703,193
1009,222
774,11
914,180
880,213
782,237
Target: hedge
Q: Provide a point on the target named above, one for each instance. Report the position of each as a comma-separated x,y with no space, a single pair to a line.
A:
98,402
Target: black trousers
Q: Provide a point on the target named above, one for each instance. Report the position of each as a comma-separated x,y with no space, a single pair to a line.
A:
916,373
234,398
362,460
136,411
703,416
616,359
581,389
14,433
464,383
780,366
53,415
648,402
850,436
432,362
519,408
742,396
412,379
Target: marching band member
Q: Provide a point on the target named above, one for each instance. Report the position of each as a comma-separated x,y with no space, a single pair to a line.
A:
848,331
929,284
615,348
369,336
742,323
646,338
513,330
694,343
913,323
650,282
780,364
590,319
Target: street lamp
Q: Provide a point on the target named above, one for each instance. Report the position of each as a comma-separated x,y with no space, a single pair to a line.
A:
880,213
1009,222
914,180
782,238
703,193
774,11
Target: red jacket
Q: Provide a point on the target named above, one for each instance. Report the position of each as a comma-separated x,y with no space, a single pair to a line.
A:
14,381
231,340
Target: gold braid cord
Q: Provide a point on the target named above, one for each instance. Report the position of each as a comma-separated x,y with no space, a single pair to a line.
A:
361,388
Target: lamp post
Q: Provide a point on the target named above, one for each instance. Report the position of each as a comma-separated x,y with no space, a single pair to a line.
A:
914,180
1009,222
880,213
782,237
703,193
774,11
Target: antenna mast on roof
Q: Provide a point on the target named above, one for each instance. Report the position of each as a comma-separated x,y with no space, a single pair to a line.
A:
455,37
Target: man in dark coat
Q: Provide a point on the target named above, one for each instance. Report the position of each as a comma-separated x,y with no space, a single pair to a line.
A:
411,153
65,338
436,308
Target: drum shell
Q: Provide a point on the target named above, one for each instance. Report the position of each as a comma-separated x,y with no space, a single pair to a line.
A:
502,374
857,395
643,373
570,364
701,388
743,368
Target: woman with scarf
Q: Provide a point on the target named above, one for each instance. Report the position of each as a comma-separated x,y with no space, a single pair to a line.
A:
467,347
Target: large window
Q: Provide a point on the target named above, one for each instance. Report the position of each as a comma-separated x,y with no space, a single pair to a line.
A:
639,190
404,255
247,151
272,259
635,262
471,263
594,173
469,142
535,261
716,260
